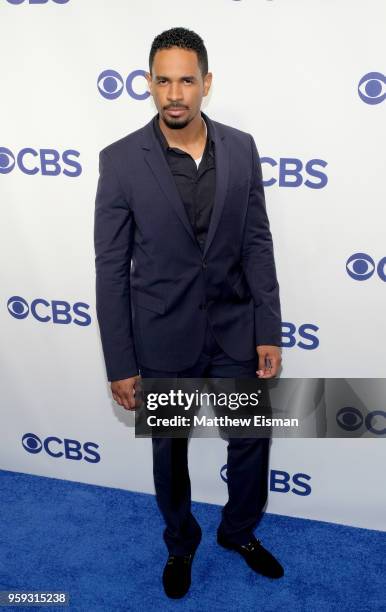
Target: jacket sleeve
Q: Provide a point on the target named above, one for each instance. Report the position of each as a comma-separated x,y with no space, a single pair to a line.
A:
113,241
258,261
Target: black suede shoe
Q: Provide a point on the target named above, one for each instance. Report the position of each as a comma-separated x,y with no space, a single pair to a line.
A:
177,575
257,557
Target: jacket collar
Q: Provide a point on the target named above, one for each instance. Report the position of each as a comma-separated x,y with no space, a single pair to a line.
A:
161,136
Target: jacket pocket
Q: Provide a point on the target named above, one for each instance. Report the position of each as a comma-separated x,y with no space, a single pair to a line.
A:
240,286
144,300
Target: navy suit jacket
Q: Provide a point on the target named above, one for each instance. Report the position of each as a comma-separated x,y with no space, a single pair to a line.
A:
155,287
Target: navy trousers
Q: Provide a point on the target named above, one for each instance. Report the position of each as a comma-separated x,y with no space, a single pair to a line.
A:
247,465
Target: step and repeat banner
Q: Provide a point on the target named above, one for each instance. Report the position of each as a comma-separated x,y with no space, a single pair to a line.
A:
306,79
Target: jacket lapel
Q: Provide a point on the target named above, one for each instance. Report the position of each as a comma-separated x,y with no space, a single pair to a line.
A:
222,178
155,158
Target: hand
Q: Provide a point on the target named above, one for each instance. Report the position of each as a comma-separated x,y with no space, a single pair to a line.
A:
269,360
124,392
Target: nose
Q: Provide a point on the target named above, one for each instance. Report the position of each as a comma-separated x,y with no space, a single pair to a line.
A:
175,93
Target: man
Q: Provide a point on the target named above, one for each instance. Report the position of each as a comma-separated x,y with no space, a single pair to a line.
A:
186,285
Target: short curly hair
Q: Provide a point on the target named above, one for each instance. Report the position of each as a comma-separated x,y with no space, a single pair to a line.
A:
180,37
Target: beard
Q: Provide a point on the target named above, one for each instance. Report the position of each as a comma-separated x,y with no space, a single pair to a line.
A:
175,123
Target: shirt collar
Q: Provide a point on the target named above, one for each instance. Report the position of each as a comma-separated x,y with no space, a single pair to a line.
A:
161,135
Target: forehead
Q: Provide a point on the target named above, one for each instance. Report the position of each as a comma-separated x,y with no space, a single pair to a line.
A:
175,61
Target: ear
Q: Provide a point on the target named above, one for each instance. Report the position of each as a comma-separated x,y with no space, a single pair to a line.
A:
149,79
207,83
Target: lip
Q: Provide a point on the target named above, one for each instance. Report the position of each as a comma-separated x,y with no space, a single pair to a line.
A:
176,112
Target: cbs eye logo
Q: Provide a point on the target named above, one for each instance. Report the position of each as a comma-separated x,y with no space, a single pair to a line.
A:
351,419
47,162
58,447
55,311
361,267
32,443
372,88
111,85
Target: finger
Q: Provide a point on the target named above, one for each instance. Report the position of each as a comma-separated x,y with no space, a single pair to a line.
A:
270,372
275,364
132,400
126,404
266,373
261,366
129,401
118,399
270,369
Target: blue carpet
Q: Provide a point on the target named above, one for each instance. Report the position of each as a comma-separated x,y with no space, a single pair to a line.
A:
104,546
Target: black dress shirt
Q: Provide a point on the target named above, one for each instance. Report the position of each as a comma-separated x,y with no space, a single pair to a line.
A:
196,186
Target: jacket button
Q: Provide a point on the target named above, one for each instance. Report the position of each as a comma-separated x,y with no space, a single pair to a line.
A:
204,265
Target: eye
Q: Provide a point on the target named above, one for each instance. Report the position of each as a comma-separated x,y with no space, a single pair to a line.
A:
18,307
7,160
110,84
31,443
349,418
372,88
360,266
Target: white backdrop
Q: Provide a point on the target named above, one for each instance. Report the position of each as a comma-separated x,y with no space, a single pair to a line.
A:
286,71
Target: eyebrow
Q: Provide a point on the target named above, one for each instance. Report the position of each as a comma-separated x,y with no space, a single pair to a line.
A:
158,77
